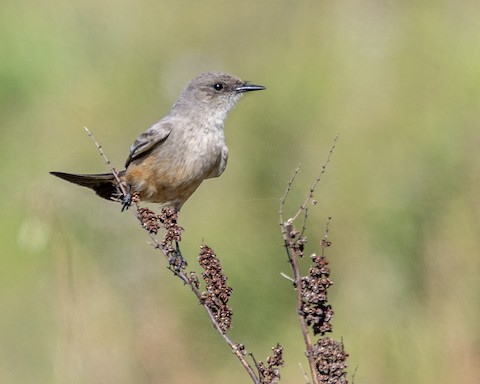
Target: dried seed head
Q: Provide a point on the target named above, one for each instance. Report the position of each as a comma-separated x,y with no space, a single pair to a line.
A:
270,373
315,308
149,220
217,291
330,361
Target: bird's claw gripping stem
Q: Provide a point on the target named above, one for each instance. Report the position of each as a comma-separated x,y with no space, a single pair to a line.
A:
127,200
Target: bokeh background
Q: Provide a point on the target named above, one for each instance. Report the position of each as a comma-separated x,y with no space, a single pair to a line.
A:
85,299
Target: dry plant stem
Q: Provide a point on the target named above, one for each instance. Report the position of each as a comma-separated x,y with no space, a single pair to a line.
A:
292,258
182,276
305,376
314,186
287,191
179,273
286,226
107,161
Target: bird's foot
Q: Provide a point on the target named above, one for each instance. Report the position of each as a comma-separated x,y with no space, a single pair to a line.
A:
127,199
126,202
177,261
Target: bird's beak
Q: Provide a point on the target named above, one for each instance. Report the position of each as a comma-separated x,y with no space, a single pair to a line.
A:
247,87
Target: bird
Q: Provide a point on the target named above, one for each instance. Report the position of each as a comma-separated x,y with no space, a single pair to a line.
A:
169,161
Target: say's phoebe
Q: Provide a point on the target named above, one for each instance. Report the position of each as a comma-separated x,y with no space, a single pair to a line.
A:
169,160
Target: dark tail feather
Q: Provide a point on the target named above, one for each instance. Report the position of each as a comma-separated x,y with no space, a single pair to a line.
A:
103,184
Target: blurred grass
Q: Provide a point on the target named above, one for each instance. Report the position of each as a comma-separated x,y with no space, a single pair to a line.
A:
399,81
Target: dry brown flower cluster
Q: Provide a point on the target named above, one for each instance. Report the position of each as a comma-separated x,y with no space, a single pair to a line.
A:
173,235
217,291
331,361
315,308
149,220
269,373
168,217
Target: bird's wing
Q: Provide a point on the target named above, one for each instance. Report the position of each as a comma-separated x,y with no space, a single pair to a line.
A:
153,136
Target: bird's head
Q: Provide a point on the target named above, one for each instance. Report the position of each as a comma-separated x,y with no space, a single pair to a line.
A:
213,93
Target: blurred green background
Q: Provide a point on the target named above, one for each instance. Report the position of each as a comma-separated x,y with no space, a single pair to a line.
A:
84,299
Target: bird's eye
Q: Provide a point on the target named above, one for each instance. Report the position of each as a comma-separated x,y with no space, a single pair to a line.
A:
218,86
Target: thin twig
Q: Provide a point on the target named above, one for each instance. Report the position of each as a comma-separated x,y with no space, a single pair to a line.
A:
255,362
305,376
287,277
354,374
325,234
287,191
107,161
317,180
304,225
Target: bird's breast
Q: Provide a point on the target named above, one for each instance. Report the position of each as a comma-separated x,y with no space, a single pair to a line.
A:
177,167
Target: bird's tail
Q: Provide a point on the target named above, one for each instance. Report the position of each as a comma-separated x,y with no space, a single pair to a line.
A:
104,184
